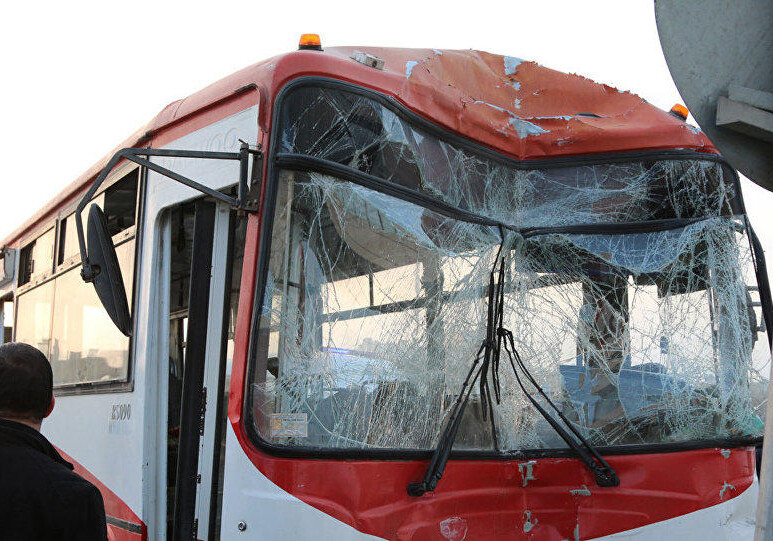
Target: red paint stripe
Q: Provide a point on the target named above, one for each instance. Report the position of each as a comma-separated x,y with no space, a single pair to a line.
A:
244,318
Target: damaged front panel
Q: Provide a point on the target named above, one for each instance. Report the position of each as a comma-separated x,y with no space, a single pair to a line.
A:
375,305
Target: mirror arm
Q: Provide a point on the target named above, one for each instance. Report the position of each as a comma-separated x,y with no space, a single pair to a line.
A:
88,271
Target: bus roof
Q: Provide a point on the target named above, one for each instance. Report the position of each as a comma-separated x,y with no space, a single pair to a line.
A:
514,106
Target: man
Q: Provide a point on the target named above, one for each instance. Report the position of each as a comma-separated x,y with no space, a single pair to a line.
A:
41,498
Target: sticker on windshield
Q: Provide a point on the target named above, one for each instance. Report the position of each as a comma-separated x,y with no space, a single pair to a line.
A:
289,425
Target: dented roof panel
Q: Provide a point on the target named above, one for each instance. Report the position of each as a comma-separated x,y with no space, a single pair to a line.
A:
514,106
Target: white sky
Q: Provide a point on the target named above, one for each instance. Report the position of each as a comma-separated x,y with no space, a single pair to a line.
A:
79,77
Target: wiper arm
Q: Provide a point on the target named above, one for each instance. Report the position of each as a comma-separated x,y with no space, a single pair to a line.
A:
479,369
600,468
440,456
487,358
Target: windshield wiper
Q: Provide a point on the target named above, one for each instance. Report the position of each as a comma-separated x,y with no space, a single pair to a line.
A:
499,338
485,361
479,369
600,468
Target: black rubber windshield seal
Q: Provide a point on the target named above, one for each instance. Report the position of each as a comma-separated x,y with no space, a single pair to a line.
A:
300,162
277,162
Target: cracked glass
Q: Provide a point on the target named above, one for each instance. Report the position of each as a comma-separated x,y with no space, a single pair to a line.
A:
629,290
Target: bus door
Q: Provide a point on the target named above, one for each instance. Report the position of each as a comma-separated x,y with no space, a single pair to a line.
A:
197,252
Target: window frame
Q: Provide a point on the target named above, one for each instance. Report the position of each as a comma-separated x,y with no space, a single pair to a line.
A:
134,232
28,242
277,163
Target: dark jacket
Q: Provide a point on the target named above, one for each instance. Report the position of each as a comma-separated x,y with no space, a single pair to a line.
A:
41,498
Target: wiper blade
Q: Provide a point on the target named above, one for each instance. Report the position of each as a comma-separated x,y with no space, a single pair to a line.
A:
600,468
479,369
440,456
487,359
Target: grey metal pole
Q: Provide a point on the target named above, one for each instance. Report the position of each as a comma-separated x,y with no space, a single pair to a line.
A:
764,519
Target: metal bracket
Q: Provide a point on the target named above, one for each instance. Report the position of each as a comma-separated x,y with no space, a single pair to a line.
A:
141,157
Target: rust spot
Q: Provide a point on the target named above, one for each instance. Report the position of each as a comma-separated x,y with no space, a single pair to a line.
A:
454,529
526,470
527,523
584,491
727,486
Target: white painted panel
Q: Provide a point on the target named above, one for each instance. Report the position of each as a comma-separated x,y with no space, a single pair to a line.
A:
130,457
222,136
268,511
110,449
731,520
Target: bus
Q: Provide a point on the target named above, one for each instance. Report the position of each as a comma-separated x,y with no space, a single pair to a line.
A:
383,293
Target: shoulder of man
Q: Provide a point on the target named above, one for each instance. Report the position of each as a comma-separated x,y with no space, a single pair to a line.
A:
36,485
82,501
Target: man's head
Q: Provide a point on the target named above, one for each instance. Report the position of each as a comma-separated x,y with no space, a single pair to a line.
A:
26,384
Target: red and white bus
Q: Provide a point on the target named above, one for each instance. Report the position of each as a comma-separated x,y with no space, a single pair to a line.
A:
403,294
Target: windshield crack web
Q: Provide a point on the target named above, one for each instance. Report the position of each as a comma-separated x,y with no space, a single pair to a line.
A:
375,307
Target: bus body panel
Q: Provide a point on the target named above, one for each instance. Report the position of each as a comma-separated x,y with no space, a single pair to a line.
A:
730,520
120,438
281,498
102,433
222,135
268,511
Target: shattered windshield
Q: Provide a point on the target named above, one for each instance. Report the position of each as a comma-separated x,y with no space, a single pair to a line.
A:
630,292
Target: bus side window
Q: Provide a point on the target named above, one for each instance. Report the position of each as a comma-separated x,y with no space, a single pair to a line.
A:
59,313
37,258
33,303
119,202
7,277
86,346
33,316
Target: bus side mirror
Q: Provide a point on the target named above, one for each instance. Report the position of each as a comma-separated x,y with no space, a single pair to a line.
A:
108,281
99,263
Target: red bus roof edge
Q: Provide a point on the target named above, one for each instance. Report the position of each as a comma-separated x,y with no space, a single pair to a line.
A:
514,106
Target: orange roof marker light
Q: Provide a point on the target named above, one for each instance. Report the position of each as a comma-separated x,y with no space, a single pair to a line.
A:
680,111
310,42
